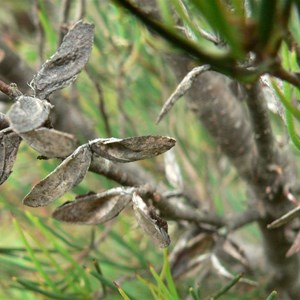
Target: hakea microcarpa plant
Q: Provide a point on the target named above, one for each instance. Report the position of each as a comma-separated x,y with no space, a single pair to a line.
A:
28,120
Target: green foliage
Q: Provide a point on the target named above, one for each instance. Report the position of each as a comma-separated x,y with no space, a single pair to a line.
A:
163,286
52,270
272,296
289,59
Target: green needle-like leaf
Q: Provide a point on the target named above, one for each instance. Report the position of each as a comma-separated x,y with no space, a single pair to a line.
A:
35,260
267,12
272,296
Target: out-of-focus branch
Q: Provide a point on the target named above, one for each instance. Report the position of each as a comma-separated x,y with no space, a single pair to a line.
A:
5,88
81,9
13,68
261,124
272,169
237,221
39,32
10,90
65,12
287,76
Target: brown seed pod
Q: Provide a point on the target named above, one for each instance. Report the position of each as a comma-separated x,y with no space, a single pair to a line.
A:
94,209
153,225
9,145
131,149
67,175
50,142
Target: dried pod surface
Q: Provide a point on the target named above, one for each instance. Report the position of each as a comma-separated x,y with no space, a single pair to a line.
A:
28,113
67,175
9,145
50,142
4,123
131,149
93,209
70,58
150,222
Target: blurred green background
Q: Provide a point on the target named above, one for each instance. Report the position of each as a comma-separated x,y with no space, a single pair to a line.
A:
41,258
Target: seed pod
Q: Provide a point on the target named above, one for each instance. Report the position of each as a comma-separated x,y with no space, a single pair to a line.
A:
67,175
131,149
150,222
28,113
9,145
70,58
94,209
50,142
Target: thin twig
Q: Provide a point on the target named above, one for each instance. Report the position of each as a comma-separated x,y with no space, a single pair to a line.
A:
4,88
242,219
287,76
121,95
102,106
66,7
40,32
13,68
10,90
81,9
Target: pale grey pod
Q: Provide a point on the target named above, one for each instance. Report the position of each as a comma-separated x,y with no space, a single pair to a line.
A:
61,69
154,226
28,113
67,175
4,123
50,142
9,145
131,149
93,209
